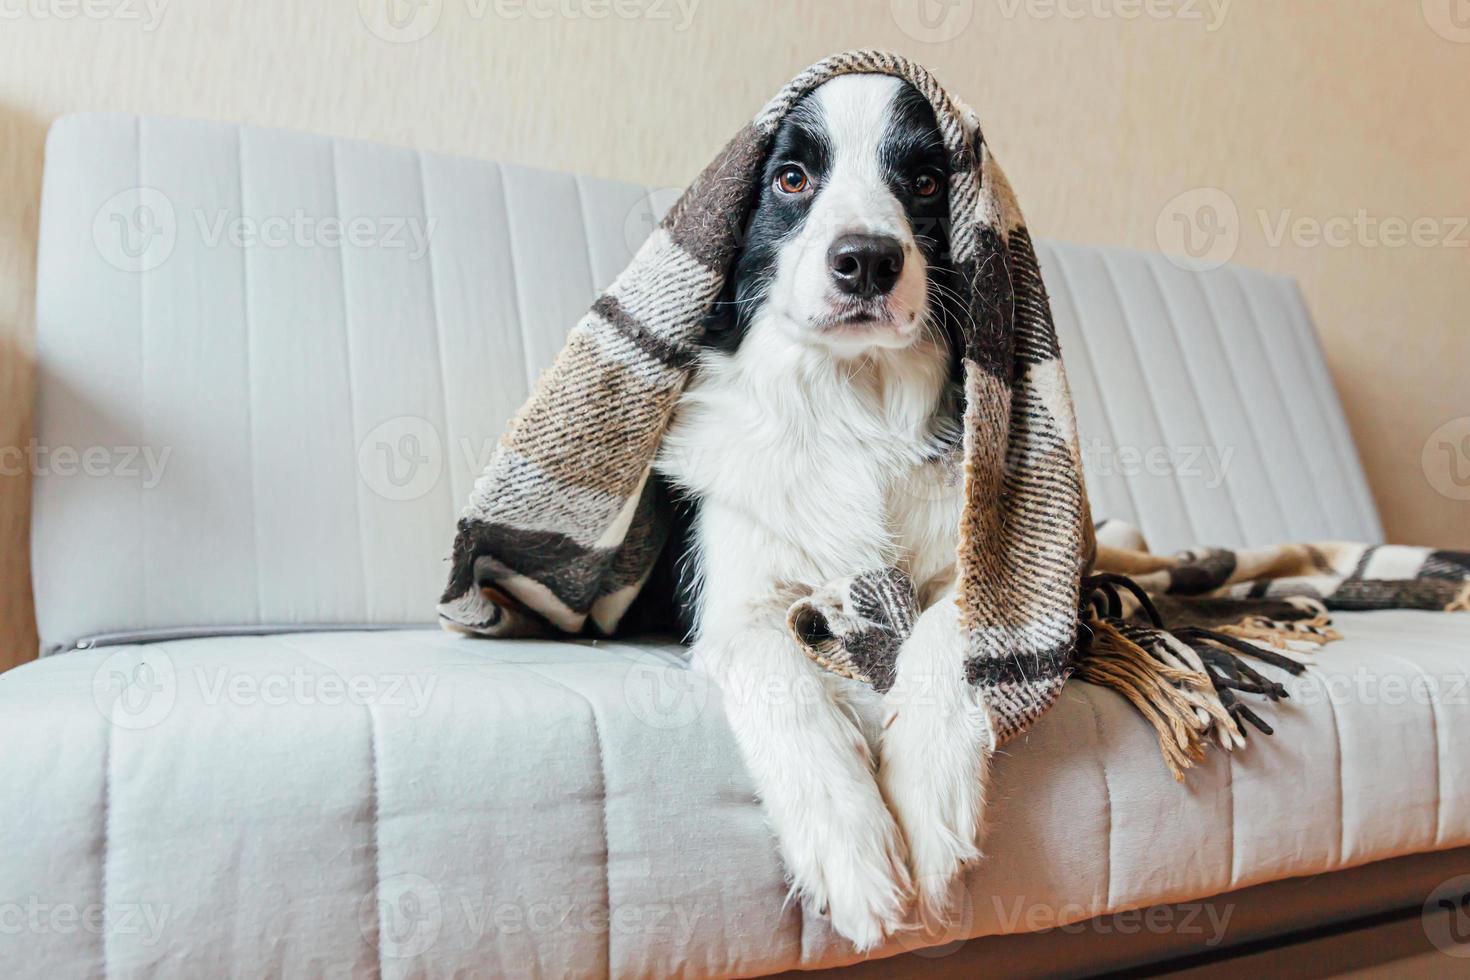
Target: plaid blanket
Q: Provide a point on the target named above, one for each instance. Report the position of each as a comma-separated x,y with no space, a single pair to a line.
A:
1221,606
565,525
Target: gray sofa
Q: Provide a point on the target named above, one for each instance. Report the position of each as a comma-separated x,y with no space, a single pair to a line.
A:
271,365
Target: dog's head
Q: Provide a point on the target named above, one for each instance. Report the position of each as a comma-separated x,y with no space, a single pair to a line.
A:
846,246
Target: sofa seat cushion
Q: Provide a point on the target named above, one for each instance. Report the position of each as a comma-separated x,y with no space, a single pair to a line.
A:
320,802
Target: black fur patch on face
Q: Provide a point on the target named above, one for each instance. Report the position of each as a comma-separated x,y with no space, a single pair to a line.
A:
910,149
801,139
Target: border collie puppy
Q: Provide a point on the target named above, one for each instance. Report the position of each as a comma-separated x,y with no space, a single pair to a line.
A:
816,441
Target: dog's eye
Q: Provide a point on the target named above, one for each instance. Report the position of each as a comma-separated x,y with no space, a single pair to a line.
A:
926,184
791,180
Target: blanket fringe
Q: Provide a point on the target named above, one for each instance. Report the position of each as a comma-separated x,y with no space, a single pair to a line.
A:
1282,633
1462,601
1151,686
1186,681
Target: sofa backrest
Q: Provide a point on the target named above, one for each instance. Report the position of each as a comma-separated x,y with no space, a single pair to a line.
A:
271,365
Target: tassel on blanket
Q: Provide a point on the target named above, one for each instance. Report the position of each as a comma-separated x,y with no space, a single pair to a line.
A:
1280,634
1186,680
1462,601
1160,692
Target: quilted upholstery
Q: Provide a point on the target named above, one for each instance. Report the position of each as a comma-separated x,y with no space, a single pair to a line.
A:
337,403
305,804
415,803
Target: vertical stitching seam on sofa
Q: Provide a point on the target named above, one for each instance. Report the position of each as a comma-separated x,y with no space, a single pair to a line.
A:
1431,687
1311,400
1341,798
586,236
438,323
1153,404
351,386
1107,799
515,281
142,281
1331,400
374,800
1345,471
375,757
1192,378
105,857
1244,410
1107,419
1314,398
1298,443
602,775
249,386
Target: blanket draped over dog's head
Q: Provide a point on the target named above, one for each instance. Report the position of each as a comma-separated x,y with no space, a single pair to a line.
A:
566,523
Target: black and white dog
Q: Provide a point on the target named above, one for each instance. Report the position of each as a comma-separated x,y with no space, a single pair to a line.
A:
814,443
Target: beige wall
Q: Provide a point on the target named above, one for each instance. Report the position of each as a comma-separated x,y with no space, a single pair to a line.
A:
1103,110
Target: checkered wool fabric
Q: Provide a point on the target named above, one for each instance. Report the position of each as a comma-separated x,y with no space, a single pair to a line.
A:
565,524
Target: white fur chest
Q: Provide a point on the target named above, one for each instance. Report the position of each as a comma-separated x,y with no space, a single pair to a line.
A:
810,469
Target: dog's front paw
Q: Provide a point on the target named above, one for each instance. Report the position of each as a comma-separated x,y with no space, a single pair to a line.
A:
858,875
933,770
940,849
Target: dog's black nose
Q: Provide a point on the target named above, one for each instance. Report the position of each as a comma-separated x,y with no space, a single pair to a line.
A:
865,265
